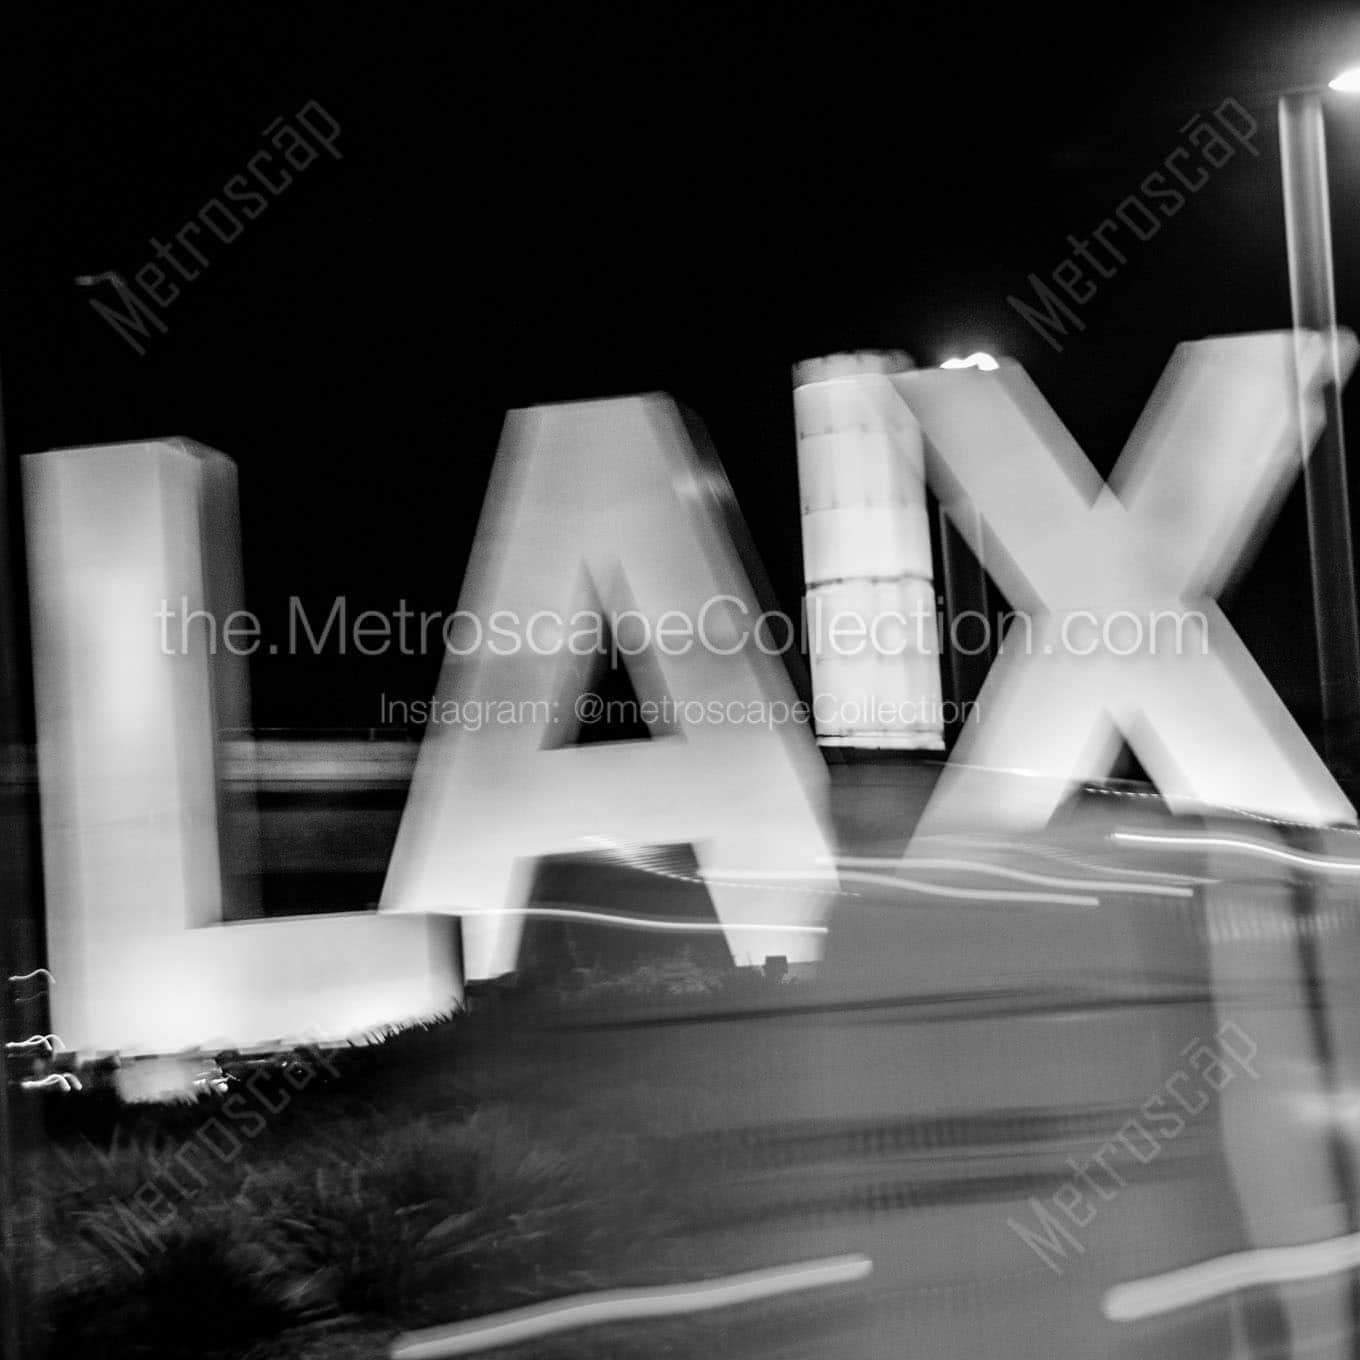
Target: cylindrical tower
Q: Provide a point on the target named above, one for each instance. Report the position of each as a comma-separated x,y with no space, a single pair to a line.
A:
870,604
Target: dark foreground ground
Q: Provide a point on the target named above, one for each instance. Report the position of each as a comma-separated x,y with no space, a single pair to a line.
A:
930,1100
321,1209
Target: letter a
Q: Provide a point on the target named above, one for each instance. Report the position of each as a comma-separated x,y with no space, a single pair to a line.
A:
613,492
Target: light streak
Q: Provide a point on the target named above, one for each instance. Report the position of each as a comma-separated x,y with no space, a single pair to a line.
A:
1213,1279
967,894
609,918
625,1305
1320,862
1019,875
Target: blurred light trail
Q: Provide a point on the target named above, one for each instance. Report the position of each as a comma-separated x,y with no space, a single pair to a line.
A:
1208,460
1343,1108
966,894
737,877
1207,1280
657,862
637,922
1019,875
68,1081
626,1305
978,359
37,972
1322,863
49,1041
827,876
1348,82
1057,854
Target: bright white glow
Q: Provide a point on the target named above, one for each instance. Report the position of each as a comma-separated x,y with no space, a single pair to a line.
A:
1348,82
978,359
625,1305
1247,847
1212,1279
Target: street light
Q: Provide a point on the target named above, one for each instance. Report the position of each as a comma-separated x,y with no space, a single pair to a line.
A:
978,359
1312,293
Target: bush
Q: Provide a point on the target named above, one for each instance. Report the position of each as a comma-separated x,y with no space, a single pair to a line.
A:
401,1224
449,1171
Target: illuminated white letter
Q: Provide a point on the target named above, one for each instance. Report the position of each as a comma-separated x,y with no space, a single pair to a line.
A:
611,494
1216,448
123,623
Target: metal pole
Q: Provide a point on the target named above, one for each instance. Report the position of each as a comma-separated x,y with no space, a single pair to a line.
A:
1308,232
1312,295
966,590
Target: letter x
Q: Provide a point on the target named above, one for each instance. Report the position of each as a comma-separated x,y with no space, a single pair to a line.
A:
1198,481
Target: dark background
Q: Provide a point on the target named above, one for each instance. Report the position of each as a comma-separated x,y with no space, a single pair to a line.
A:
577,201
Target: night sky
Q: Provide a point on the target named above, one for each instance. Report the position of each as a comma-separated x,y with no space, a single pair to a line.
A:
541,204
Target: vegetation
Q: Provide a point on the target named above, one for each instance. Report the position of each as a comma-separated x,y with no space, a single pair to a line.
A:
442,1173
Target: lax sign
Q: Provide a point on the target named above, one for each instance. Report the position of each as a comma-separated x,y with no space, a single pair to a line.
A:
609,503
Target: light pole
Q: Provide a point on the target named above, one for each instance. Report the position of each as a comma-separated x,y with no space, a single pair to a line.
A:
1312,296
1308,234
967,589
